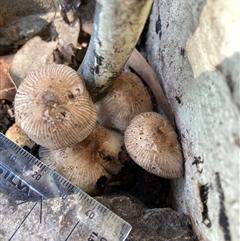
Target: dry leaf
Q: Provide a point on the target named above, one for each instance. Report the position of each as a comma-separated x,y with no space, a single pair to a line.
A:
140,65
17,135
1,21
7,87
65,54
28,58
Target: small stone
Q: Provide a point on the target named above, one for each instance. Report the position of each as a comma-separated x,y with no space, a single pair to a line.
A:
157,224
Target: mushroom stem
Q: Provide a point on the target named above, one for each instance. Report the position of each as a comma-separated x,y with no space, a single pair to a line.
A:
117,27
140,65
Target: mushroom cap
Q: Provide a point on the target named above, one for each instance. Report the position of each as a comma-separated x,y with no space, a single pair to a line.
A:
53,107
126,98
88,164
152,143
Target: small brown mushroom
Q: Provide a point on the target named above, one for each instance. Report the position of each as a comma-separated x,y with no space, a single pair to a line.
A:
17,135
126,98
152,143
88,164
54,108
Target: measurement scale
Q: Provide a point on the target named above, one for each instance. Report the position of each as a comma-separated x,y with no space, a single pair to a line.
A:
37,203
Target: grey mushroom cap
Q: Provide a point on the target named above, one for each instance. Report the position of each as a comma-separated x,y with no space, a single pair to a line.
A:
90,163
152,143
53,107
126,98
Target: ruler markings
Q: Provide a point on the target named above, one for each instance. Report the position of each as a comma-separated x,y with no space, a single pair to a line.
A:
81,196
105,210
42,169
47,170
24,219
7,142
94,207
113,218
58,185
40,216
61,180
50,171
18,151
101,209
34,162
29,160
98,207
108,215
39,164
68,185
94,203
64,182
58,178
54,175
72,230
71,188
23,154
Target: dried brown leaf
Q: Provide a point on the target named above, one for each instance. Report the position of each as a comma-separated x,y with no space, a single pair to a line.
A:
7,86
2,23
65,54
140,65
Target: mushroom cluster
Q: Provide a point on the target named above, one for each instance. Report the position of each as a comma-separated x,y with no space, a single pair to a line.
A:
55,110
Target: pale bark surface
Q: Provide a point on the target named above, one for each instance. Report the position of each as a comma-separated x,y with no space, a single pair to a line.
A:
193,46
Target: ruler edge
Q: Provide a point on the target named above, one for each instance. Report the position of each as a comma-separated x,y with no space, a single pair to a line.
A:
78,190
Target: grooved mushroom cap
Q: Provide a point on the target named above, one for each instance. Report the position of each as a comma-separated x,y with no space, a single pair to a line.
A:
125,99
88,164
152,143
53,107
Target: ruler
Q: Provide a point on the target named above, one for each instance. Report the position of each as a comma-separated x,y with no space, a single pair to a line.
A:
37,203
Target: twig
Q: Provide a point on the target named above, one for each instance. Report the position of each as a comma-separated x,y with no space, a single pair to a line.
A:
116,30
140,65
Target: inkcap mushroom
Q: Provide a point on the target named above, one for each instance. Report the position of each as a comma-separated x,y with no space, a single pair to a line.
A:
152,143
53,107
90,163
126,98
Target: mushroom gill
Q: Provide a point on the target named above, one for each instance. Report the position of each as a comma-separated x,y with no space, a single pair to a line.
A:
90,163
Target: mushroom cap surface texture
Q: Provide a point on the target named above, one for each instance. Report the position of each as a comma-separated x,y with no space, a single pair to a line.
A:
53,107
152,143
88,164
126,98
